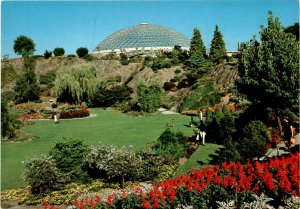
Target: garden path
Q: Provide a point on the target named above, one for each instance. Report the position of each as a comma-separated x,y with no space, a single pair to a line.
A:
281,148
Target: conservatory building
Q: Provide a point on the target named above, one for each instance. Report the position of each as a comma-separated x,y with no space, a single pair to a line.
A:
142,39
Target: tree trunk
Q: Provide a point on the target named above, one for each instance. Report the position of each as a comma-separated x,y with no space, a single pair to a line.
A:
123,182
279,124
41,191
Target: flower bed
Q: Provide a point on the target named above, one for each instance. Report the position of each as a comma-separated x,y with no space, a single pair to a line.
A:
81,113
278,178
32,116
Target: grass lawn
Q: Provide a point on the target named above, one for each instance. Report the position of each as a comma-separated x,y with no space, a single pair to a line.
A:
199,158
108,127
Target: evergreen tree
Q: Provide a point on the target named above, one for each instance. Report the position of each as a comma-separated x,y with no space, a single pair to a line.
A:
197,47
209,117
218,115
269,70
217,49
7,129
27,88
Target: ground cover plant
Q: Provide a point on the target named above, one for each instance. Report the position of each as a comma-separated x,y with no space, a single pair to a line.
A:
108,127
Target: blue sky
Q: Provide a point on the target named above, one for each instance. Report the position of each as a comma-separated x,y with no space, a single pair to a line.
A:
74,24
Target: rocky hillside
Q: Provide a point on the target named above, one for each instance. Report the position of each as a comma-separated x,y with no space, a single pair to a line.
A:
223,74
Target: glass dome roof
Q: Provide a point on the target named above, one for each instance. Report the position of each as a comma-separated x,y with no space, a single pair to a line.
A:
143,35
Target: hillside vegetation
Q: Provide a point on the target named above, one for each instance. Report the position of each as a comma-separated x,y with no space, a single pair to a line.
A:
223,75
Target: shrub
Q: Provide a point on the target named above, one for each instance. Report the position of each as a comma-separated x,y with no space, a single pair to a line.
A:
82,51
47,78
71,55
54,105
177,71
58,51
149,97
150,166
110,56
108,97
168,86
124,59
47,54
254,139
69,155
88,57
171,146
41,174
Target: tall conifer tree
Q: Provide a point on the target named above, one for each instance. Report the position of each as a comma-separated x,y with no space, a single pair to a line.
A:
217,49
197,46
27,88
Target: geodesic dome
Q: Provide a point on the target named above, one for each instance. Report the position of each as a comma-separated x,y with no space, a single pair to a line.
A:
142,37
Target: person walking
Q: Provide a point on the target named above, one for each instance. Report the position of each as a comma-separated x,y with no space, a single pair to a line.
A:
287,132
202,128
55,117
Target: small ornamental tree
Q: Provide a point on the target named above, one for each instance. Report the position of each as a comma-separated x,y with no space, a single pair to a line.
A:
24,46
113,163
82,51
269,71
217,49
149,97
41,174
58,51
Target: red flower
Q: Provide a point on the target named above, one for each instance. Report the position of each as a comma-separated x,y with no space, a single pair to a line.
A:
268,180
82,205
45,204
98,198
155,204
145,204
75,202
123,193
92,204
110,199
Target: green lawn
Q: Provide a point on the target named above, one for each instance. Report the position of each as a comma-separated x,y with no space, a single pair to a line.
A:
108,127
199,158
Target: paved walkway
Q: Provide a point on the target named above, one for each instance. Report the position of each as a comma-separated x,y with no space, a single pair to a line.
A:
281,149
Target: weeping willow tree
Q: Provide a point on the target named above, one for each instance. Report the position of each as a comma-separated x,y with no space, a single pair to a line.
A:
76,83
